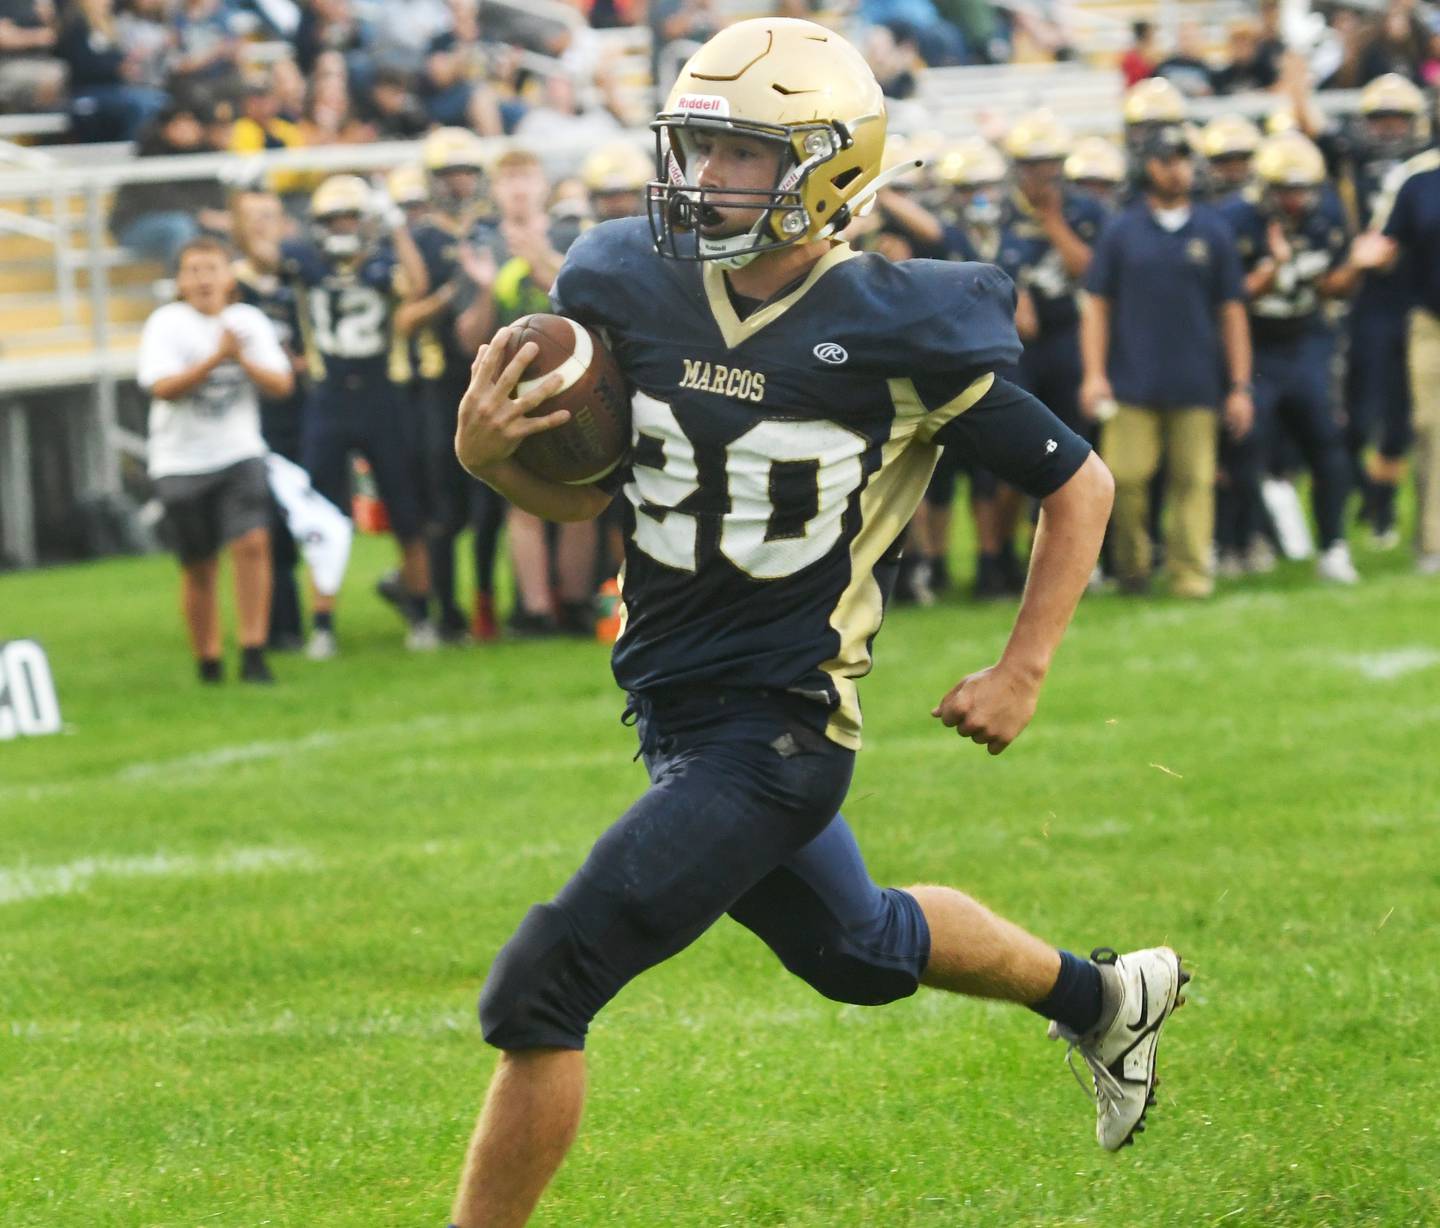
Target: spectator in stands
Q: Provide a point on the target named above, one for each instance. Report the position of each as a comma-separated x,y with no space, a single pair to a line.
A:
31,79
1185,67
692,20
1140,58
329,117
290,87
566,117
1251,65
1399,46
392,108
206,44
940,43
1164,317
107,100
202,360
145,29
453,88
260,128
157,219
331,25
896,64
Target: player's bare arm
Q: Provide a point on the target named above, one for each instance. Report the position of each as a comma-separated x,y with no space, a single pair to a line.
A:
493,422
1094,346
992,707
414,278
1235,334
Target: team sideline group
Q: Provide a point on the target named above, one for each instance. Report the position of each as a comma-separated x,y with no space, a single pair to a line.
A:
1219,309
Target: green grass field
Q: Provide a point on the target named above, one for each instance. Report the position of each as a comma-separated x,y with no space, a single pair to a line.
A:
242,931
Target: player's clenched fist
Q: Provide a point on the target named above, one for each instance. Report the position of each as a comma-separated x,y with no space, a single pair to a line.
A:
990,708
492,422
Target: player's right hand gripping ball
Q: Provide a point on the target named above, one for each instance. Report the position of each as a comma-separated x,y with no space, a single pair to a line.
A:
597,437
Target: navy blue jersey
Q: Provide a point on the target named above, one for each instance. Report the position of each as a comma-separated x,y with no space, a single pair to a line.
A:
436,352
984,245
777,458
1373,181
346,312
1037,264
273,295
1410,214
1318,244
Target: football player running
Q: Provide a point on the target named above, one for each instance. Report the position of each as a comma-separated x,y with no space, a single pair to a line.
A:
791,397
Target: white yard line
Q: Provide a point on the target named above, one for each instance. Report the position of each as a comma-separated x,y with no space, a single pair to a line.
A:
32,882
1387,666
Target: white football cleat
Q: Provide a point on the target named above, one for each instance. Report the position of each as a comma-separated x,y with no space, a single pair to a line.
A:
321,646
1142,988
1336,566
422,637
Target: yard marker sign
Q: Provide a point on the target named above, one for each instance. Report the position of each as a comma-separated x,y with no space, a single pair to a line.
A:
29,706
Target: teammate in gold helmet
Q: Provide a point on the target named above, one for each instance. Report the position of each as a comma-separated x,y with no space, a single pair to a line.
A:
1392,116
1229,143
1097,168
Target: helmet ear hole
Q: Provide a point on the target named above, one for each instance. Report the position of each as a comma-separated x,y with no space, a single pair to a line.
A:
845,178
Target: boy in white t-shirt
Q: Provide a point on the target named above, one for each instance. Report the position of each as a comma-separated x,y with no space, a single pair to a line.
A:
202,359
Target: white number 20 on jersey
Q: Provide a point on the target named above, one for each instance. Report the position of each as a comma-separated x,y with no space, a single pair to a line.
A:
746,538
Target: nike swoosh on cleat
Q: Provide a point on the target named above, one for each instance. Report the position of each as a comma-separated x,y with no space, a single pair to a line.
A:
1139,1024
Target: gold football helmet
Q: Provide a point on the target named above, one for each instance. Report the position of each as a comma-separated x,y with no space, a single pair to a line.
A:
617,167
1229,136
1154,101
792,84
1289,160
454,161
1038,137
1281,120
1391,94
406,185
1095,160
1392,111
972,163
339,212
452,149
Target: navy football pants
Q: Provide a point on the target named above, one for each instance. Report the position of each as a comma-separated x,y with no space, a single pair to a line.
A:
1377,383
740,818
367,418
1292,393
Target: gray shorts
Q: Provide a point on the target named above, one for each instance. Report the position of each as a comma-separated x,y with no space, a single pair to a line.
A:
205,511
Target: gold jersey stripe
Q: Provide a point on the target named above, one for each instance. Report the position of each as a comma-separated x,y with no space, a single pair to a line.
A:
887,503
953,408
733,329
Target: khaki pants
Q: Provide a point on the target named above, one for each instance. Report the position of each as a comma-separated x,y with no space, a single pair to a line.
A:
1132,443
1425,399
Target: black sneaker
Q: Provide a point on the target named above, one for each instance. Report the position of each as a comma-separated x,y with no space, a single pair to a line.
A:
577,618
254,669
390,589
210,672
526,626
453,628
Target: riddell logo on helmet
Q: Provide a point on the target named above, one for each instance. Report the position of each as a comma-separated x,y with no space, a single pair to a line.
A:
705,104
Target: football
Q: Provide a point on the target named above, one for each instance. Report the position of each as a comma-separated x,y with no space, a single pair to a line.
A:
597,437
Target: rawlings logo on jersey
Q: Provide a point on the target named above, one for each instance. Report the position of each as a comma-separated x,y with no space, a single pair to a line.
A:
725,381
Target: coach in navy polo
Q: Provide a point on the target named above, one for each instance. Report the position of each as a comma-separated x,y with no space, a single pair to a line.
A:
1165,343
1412,220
